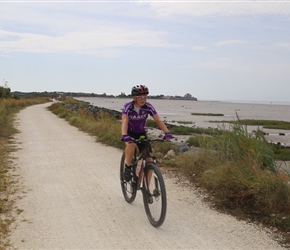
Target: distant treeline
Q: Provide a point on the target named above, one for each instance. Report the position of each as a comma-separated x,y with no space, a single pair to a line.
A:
57,94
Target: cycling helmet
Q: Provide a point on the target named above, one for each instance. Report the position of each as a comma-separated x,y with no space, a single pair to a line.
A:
139,90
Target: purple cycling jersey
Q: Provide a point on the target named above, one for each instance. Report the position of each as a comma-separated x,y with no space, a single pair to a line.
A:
138,118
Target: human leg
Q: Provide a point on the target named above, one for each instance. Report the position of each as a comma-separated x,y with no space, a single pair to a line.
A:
129,152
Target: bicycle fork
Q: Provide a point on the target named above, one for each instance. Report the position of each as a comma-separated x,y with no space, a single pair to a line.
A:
141,175
147,179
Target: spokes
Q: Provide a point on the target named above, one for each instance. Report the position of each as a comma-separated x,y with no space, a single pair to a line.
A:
129,188
154,196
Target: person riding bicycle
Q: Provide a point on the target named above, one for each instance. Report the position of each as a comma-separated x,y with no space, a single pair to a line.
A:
134,117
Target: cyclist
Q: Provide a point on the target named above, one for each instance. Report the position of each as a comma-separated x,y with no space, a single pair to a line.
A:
134,117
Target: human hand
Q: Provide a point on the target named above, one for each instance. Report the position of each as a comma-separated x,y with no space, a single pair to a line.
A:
127,138
168,136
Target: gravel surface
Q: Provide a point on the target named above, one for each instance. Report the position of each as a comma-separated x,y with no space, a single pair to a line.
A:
71,198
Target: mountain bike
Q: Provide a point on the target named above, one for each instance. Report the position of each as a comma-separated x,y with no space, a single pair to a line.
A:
149,180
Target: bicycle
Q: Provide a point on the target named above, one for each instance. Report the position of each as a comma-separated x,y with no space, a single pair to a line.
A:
149,181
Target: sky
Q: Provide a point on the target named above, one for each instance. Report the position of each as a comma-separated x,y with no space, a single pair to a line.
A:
213,50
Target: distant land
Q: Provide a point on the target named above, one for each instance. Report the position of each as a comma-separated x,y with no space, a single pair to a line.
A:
57,94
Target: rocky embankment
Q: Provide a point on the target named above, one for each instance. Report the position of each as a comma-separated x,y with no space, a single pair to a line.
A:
97,111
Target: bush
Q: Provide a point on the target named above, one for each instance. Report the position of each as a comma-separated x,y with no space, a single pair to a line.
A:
238,170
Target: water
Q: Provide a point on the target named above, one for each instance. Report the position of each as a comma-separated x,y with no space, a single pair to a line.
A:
178,111
181,110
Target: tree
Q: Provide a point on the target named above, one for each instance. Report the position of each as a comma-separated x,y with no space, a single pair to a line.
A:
5,92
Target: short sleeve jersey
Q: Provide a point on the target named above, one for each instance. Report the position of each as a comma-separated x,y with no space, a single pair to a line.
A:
138,118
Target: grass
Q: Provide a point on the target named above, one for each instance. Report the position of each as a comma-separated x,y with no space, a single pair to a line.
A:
183,122
237,170
8,108
207,114
105,127
270,124
185,130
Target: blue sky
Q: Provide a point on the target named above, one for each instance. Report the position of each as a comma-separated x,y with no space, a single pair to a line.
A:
214,50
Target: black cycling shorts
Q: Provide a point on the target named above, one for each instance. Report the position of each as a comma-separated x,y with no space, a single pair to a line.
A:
141,146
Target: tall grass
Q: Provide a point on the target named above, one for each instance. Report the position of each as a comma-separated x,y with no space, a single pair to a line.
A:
271,124
8,109
105,127
238,170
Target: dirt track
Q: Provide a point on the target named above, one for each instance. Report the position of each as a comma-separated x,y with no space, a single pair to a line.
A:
71,199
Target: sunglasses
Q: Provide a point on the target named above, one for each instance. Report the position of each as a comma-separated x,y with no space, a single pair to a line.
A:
141,97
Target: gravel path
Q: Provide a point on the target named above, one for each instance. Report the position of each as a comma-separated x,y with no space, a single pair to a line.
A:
71,199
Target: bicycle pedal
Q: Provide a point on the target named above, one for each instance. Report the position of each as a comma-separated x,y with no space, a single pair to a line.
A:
150,200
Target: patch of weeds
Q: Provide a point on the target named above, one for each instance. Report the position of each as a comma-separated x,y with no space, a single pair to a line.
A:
207,114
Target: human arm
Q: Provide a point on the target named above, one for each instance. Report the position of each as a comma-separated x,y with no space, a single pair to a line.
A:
125,121
124,128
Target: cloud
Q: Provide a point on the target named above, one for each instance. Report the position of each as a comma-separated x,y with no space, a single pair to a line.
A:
285,45
238,68
207,8
219,63
102,38
101,29
199,47
229,42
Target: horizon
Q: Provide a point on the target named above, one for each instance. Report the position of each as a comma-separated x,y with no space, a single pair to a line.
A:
205,100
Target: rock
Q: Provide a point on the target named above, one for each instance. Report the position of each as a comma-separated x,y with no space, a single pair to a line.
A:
170,153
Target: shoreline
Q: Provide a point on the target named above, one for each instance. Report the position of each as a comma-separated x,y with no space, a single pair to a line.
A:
251,102
174,111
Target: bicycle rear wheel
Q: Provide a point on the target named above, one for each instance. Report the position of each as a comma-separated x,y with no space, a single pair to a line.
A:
154,195
129,188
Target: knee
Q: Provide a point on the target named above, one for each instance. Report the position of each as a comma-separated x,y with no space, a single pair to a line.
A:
130,146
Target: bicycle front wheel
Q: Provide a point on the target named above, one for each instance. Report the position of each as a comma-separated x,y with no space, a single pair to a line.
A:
129,188
154,195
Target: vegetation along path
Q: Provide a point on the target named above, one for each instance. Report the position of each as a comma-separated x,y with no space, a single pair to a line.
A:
70,194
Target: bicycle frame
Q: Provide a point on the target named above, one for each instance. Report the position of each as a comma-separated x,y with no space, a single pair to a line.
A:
143,156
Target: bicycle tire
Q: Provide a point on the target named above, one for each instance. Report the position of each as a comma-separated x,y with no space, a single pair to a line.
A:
154,195
129,188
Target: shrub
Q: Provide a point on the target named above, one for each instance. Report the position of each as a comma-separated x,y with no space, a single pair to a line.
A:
238,170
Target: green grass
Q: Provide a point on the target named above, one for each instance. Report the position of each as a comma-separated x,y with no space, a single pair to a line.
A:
185,130
105,127
207,114
8,108
237,170
183,122
270,124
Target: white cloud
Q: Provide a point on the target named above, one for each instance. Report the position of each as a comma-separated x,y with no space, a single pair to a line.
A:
199,47
81,42
219,63
229,42
285,45
275,70
206,8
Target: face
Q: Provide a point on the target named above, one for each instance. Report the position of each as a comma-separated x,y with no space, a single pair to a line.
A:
140,100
